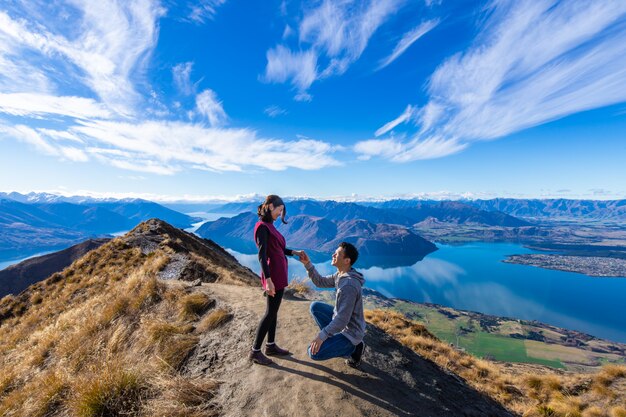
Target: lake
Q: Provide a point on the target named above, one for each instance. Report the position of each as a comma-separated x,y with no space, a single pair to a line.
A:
8,261
473,277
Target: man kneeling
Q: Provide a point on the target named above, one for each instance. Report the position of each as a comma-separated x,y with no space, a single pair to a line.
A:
341,329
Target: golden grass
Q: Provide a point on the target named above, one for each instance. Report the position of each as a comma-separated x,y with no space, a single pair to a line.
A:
172,342
183,397
72,345
163,331
112,392
618,411
552,393
300,286
612,372
593,411
194,305
6,381
214,320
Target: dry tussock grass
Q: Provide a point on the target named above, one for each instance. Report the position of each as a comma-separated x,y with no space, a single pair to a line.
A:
194,305
102,336
214,320
183,397
553,393
111,392
300,286
593,411
618,411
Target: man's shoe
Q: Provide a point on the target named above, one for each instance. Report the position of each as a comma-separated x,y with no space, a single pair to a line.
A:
274,350
357,355
258,357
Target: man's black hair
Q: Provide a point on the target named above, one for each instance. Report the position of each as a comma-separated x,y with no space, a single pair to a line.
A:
350,251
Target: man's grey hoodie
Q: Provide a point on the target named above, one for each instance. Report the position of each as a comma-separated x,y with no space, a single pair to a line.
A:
348,316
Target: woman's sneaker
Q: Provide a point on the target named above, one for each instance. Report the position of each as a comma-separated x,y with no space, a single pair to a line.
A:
357,355
257,356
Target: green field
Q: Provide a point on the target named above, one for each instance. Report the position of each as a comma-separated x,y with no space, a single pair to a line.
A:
501,348
473,339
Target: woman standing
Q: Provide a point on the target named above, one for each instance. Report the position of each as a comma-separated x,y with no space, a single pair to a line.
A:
272,256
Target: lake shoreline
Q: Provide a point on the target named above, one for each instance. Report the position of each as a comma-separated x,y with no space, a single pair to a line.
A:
526,341
594,266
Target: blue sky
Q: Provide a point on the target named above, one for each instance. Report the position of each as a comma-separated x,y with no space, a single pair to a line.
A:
386,98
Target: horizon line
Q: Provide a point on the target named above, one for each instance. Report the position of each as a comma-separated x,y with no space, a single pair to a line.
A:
352,198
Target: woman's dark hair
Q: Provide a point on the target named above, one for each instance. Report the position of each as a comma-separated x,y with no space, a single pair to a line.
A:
264,211
350,251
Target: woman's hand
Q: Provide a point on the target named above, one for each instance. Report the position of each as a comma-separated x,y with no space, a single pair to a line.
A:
269,288
303,257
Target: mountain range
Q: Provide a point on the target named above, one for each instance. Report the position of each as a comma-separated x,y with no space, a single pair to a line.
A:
34,221
378,243
548,209
557,209
406,214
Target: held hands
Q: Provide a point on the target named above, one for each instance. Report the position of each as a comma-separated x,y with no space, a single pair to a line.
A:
302,256
269,288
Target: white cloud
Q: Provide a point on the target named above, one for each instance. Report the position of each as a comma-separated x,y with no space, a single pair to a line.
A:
60,135
430,3
182,78
274,111
106,49
101,49
73,154
208,105
28,135
303,96
343,29
532,62
406,115
138,165
381,147
287,32
336,33
33,104
167,147
409,39
299,67
398,151
203,10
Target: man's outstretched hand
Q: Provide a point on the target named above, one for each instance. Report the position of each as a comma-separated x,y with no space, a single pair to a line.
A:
303,257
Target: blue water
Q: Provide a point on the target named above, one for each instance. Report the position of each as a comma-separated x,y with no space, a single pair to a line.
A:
6,263
472,277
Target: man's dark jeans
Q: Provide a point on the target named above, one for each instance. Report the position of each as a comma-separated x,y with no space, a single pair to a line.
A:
335,346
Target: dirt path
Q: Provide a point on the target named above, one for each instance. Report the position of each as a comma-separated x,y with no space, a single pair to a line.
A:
393,381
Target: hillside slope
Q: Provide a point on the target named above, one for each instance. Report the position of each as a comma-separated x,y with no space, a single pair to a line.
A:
394,381
159,323
16,278
108,334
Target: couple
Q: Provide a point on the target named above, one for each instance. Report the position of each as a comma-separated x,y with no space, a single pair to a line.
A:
341,329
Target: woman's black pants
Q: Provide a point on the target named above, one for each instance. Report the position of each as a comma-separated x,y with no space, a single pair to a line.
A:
267,326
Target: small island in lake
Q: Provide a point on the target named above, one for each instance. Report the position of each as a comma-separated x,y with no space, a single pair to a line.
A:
595,266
